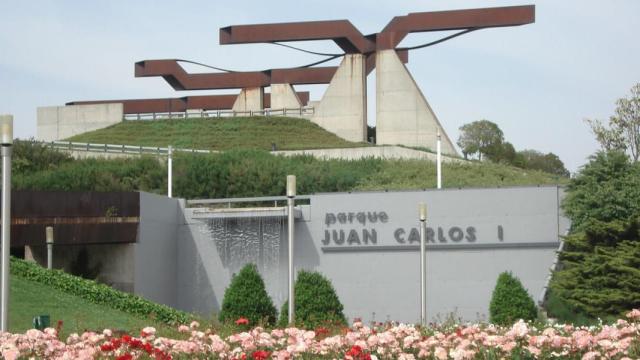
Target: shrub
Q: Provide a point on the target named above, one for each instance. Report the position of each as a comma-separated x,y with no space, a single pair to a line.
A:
97,293
316,302
247,297
510,301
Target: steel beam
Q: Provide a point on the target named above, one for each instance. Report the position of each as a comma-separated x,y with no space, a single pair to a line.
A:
201,102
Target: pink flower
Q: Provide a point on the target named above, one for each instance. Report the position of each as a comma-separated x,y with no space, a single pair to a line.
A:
183,328
633,314
194,325
242,321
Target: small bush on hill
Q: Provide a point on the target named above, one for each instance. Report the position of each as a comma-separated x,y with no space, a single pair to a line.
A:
316,302
246,297
510,301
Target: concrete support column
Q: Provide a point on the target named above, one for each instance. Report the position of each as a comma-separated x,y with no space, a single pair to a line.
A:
249,99
343,108
403,115
284,97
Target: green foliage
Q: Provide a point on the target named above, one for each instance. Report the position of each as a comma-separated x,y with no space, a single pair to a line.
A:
247,297
244,173
316,302
623,130
145,174
603,283
97,293
535,160
606,189
510,301
257,132
30,156
600,264
482,137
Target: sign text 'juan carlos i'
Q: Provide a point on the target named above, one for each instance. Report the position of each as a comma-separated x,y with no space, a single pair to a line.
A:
359,229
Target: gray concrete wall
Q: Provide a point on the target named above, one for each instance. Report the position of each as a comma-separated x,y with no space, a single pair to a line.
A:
343,108
474,235
155,270
61,122
249,99
284,97
403,115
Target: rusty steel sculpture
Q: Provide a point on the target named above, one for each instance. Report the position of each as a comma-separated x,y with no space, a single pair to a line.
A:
403,115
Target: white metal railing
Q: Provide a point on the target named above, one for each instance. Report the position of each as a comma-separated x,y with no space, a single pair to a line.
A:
303,111
122,149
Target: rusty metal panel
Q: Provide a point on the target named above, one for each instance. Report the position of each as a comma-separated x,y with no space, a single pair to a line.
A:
75,234
77,217
74,204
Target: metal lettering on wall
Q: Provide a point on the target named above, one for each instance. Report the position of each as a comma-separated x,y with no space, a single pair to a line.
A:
357,231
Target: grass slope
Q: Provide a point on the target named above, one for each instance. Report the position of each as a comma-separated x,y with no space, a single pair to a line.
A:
219,134
29,299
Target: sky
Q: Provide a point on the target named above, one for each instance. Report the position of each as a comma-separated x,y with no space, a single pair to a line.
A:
538,82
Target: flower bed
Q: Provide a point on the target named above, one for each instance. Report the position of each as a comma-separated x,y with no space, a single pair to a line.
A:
472,341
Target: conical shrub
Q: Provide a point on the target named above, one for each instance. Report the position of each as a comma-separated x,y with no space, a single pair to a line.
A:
316,302
246,297
510,301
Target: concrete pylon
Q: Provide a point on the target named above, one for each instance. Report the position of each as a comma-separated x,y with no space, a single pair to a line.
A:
249,99
343,108
403,115
284,97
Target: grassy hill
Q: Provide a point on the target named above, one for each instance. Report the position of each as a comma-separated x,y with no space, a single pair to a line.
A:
219,134
29,298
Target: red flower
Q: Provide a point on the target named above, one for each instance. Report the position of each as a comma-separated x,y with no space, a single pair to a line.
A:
260,355
147,348
242,321
106,347
355,351
126,356
126,339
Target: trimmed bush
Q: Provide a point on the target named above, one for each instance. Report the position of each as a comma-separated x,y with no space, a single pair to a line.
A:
247,297
316,302
510,301
97,293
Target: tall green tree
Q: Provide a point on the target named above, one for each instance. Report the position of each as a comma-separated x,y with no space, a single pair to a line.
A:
623,129
599,274
481,137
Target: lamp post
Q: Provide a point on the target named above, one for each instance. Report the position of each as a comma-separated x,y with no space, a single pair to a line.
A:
439,161
49,237
170,171
423,263
6,129
291,194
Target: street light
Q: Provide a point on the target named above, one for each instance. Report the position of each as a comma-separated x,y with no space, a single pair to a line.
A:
170,171
6,132
291,194
49,236
439,160
422,209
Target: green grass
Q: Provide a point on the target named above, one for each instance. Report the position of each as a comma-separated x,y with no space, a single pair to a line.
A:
28,299
419,174
219,134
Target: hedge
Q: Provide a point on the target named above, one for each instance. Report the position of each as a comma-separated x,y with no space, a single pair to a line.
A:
97,293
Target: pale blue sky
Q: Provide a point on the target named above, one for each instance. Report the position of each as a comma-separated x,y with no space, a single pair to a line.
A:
537,82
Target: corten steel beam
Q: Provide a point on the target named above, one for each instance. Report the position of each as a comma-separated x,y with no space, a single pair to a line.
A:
179,79
352,41
342,32
400,26
201,102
